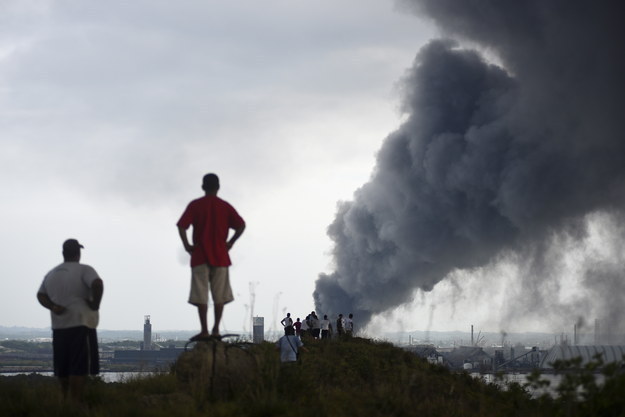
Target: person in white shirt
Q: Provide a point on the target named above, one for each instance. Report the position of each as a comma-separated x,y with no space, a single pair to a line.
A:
349,325
316,326
287,321
72,292
326,327
304,329
289,346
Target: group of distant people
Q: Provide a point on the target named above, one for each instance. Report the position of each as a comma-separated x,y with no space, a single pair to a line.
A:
290,344
323,329
73,291
320,329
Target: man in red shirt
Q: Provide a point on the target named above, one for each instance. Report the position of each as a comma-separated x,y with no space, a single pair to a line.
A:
211,218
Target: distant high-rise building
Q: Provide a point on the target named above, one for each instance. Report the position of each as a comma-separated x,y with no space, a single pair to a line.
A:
147,334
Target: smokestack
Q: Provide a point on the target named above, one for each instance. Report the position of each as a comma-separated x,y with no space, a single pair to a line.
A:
472,343
494,163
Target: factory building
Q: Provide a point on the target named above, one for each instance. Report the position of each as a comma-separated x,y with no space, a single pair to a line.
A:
162,356
609,354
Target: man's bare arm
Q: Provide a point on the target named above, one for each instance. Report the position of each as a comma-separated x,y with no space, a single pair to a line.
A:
237,234
45,301
97,289
185,240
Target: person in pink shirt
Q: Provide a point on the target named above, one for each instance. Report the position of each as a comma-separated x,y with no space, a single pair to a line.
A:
211,218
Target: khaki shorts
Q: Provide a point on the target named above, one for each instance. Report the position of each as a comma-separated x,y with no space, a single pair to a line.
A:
216,278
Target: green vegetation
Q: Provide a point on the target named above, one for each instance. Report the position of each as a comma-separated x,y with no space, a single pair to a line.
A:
25,355
26,346
352,377
579,393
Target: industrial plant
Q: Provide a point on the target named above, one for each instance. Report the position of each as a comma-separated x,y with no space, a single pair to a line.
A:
474,356
509,357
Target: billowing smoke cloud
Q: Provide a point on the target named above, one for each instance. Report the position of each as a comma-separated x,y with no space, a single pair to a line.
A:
493,159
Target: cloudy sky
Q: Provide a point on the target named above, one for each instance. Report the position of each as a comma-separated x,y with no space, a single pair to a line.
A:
110,113
483,174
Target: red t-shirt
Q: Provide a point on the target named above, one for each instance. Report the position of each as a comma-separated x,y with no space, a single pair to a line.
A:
211,218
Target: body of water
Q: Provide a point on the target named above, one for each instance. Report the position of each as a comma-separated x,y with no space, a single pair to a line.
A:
106,376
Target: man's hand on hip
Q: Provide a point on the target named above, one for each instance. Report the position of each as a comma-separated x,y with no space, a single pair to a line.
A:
57,309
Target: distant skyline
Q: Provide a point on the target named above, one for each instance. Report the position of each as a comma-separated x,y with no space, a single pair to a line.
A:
458,337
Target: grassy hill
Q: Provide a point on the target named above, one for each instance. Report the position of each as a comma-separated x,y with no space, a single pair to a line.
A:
355,377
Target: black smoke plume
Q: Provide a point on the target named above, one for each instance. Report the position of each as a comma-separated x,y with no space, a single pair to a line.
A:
497,155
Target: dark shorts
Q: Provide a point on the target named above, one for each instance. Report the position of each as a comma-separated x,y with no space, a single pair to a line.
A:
75,351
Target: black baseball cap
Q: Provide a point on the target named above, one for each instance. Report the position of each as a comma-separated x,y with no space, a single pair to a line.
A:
72,246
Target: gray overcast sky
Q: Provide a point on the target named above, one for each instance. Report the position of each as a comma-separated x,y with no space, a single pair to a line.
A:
110,113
